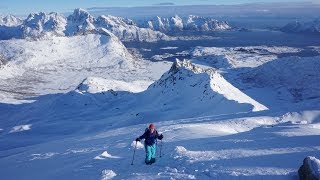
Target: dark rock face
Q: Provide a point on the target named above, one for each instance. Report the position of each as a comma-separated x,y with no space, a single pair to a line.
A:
306,171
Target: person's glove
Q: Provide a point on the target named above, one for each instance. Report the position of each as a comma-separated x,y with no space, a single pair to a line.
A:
138,139
161,136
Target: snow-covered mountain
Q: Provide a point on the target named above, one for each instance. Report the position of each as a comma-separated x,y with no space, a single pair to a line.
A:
39,25
127,30
303,27
61,62
182,91
10,20
190,23
186,81
79,22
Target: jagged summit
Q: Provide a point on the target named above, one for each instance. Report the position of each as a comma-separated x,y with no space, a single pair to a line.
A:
10,20
38,25
186,79
127,30
80,15
41,24
190,23
79,22
185,65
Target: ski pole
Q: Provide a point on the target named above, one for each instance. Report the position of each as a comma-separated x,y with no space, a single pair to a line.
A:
134,152
160,148
157,147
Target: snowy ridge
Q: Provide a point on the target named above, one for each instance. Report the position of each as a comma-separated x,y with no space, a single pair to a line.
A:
300,27
43,25
10,20
211,84
190,23
126,30
38,25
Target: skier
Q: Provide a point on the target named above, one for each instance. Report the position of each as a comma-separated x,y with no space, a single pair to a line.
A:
150,136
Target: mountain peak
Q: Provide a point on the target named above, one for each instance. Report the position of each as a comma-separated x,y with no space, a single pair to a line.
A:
10,20
40,24
185,64
79,22
81,15
185,77
190,23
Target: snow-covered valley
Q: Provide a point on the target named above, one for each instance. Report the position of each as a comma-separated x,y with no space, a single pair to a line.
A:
76,92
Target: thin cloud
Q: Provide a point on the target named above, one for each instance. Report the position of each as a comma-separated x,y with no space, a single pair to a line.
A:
165,4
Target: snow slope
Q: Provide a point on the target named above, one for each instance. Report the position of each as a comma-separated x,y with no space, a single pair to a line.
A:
300,77
59,64
227,147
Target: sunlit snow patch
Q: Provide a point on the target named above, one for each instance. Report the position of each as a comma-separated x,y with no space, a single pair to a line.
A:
97,84
169,48
139,145
200,156
259,171
105,155
108,174
43,156
21,128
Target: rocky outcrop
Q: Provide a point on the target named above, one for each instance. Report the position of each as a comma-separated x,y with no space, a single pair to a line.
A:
310,170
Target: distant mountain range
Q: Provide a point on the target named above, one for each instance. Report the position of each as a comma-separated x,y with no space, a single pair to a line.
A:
300,27
41,25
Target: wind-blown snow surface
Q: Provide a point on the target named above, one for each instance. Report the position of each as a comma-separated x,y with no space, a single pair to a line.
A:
71,106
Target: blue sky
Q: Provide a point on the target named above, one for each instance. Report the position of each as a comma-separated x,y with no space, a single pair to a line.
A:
26,6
